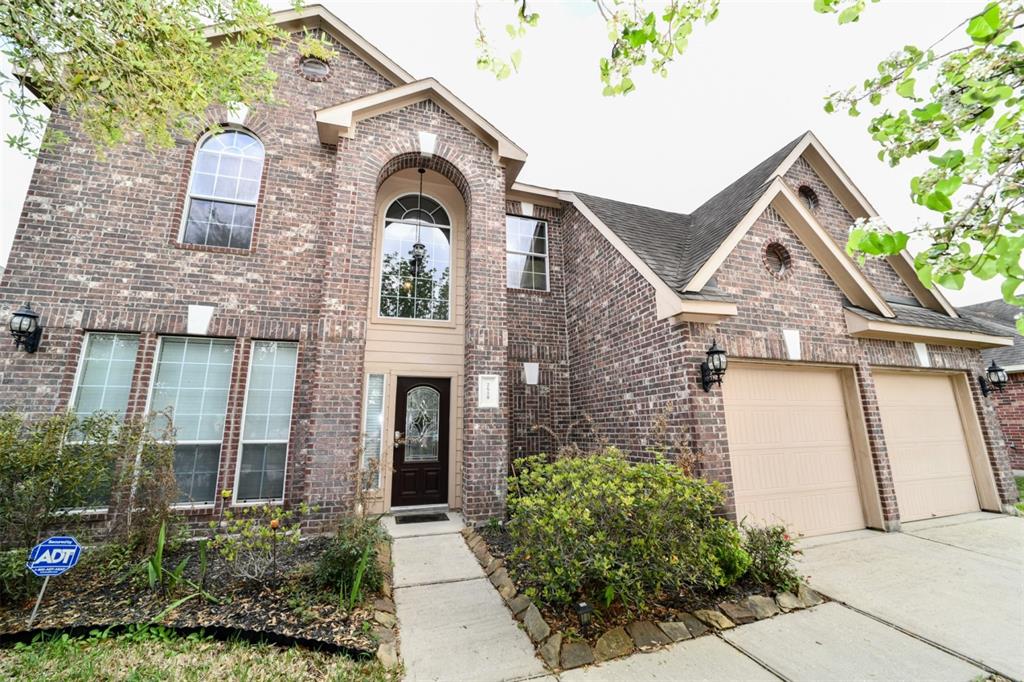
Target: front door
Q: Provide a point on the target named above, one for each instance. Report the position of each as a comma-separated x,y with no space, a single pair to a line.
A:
421,442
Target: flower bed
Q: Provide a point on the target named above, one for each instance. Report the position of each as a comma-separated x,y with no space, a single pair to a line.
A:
602,556
286,608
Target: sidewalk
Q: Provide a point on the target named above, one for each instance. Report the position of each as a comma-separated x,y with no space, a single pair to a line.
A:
453,624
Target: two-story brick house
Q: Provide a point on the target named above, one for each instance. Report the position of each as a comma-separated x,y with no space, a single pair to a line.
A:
352,278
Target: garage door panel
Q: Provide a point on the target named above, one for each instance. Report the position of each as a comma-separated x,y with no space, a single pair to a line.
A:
790,449
927,448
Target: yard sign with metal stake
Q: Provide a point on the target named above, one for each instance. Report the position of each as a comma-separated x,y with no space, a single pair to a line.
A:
49,558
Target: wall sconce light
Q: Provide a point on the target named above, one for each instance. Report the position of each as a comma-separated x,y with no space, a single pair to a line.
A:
25,329
428,142
532,372
713,369
995,378
585,612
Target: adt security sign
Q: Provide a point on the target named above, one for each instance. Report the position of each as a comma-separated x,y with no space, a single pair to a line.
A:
54,556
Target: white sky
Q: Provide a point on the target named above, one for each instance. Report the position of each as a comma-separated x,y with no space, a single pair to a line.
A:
750,82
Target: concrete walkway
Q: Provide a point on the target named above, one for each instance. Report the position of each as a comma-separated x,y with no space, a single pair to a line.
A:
940,601
452,623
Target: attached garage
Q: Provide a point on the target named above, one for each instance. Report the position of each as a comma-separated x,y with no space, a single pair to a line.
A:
792,449
927,444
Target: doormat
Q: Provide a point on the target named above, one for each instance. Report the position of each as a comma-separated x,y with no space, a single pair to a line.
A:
421,518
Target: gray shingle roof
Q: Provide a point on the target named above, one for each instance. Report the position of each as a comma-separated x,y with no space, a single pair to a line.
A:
1004,314
676,245
919,316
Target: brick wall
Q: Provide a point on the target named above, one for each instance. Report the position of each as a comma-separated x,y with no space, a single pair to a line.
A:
1009,405
536,333
626,368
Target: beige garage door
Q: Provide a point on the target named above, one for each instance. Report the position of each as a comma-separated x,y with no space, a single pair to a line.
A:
931,467
790,448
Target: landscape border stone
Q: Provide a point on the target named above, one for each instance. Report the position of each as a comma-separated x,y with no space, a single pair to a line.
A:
561,654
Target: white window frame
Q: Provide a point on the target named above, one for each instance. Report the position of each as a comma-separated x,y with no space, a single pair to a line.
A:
235,502
189,195
385,380
80,511
149,407
545,256
451,266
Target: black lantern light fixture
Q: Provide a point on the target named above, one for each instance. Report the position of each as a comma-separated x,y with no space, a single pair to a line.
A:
25,329
419,249
585,612
995,378
712,369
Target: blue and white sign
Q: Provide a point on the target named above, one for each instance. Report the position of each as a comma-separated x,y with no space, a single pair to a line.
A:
54,556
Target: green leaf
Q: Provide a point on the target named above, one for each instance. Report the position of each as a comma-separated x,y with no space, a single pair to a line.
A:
950,185
937,201
517,59
985,25
906,88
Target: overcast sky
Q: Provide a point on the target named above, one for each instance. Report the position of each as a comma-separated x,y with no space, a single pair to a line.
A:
749,83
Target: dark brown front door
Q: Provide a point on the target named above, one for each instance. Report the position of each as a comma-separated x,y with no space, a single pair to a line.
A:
421,442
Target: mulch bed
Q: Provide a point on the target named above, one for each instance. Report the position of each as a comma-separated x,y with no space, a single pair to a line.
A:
666,608
288,608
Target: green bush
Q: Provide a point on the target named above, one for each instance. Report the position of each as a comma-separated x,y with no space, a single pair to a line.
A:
602,528
251,540
339,564
771,553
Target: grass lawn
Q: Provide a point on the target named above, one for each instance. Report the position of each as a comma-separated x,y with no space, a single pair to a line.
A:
157,654
1020,490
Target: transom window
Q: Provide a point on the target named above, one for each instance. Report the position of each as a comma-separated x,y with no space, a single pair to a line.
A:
415,276
526,242
192,380
223,190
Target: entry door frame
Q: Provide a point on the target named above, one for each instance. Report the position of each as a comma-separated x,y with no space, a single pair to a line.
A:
863,461
381,502
977,450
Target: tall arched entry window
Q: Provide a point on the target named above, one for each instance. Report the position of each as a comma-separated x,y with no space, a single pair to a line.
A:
416,260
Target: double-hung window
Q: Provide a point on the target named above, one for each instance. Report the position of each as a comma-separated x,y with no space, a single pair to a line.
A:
191,384
102,386
267,422
526,245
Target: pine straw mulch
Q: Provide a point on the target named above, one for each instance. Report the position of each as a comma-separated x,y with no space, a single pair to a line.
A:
664,608
286,609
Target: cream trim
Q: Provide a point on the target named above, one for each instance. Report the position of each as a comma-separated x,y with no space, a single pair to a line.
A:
540,196
706,312
1013,369
857,205
340,120
317,16
861,327
837,264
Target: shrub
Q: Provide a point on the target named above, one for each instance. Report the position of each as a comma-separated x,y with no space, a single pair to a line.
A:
340,563
600,527
252,540
771,553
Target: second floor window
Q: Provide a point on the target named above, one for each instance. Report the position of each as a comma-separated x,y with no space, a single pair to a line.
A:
526,244
416,265
223,190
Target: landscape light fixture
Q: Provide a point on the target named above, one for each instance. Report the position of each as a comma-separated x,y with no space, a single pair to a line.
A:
585,612
713,369
25,329
995,378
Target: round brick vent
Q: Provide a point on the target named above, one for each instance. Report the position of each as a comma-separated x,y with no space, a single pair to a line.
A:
809,197
314,69
777,259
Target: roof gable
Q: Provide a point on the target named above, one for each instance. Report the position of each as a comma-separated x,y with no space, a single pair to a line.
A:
341,119
318,17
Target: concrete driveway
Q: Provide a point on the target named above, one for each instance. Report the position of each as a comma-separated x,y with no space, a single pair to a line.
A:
943,600
955,583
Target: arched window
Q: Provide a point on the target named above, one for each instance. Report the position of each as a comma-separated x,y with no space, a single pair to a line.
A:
415,279
223,189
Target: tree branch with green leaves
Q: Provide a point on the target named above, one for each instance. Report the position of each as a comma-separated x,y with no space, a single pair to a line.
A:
123,67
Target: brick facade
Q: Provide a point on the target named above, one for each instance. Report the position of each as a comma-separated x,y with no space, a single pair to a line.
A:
97,250
1009,405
